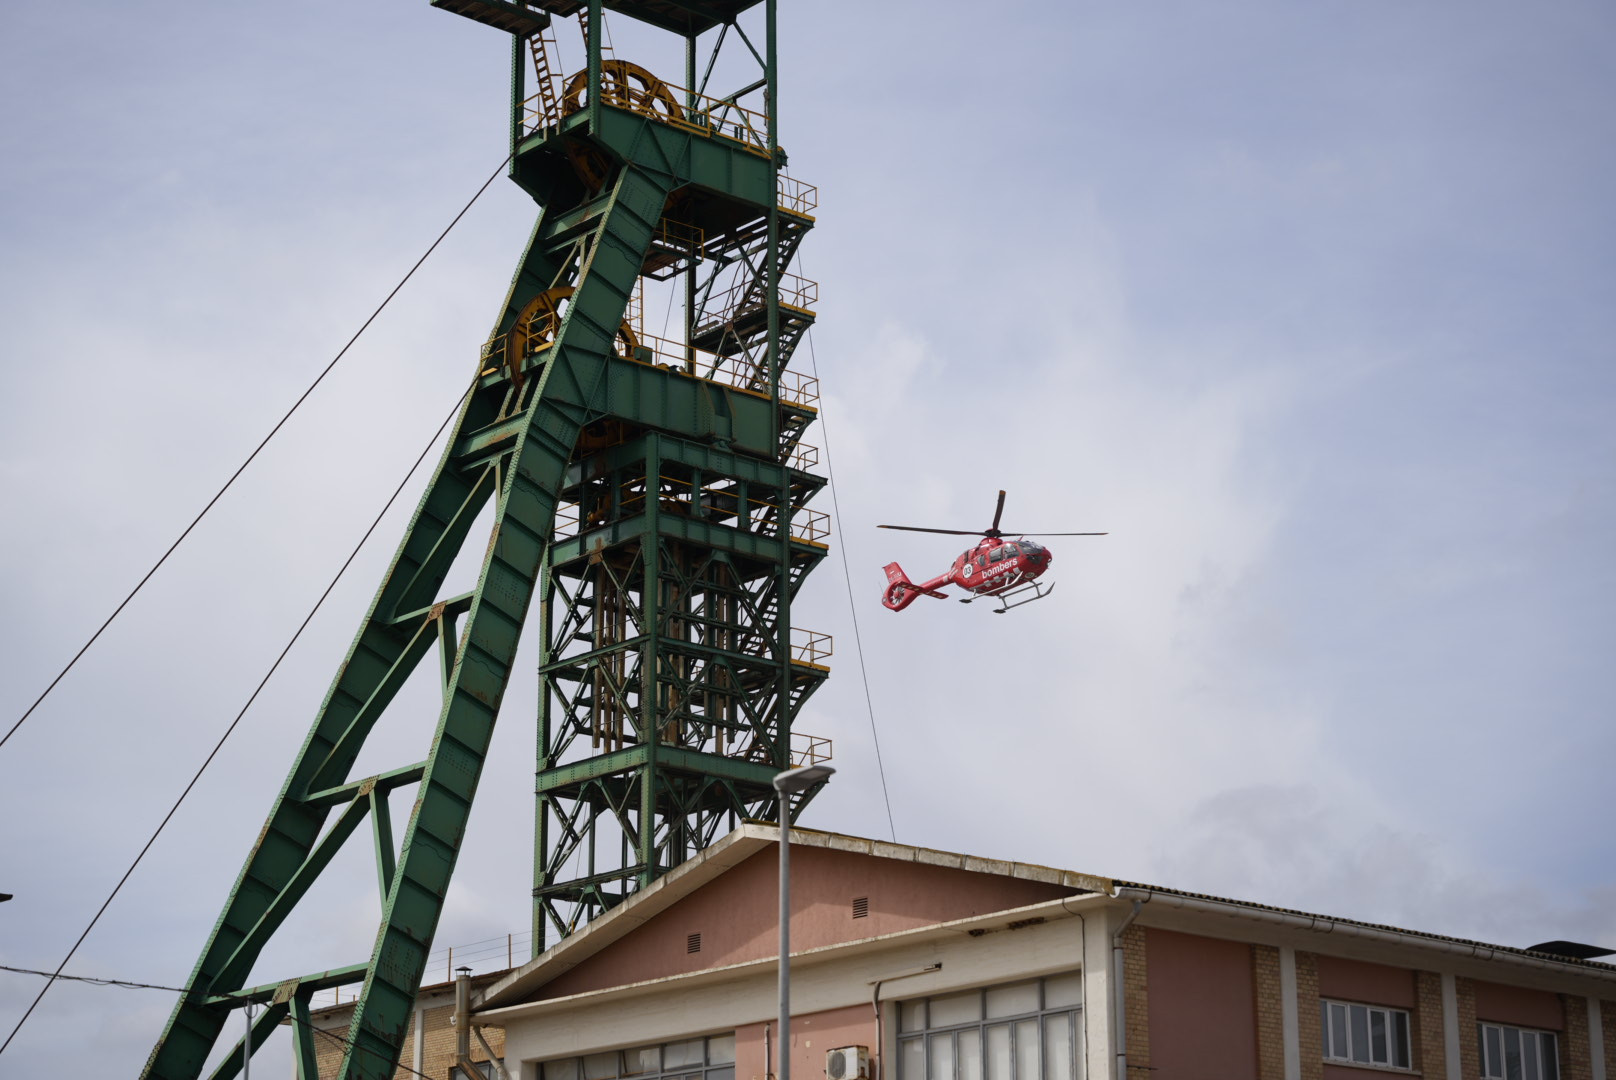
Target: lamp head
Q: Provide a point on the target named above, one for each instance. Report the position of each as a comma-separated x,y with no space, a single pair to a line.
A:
793,781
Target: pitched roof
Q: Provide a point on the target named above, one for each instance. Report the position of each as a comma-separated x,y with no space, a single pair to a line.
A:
731,851
750,838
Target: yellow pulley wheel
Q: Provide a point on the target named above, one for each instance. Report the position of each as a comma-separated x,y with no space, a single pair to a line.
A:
626,86
539,321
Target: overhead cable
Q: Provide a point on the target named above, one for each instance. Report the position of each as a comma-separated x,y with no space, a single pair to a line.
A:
243,466
127,985
847,576
234,723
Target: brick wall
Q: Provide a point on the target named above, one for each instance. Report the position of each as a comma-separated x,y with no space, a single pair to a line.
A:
1270,1013
1607,1021
1469,1051
1310,1037
1576,1060
1430,1050
328,1052
437,1051
1136,997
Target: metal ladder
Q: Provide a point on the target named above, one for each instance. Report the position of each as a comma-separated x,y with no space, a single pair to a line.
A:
540,45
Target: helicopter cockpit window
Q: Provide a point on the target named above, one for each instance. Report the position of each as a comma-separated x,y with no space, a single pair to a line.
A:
998,553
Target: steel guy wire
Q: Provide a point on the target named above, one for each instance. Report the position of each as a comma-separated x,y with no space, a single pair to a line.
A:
391,499
256,450
127,985
852,607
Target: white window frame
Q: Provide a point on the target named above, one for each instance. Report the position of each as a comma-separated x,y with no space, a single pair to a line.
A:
717,1062
1545,1046
1399,1037
1045,1015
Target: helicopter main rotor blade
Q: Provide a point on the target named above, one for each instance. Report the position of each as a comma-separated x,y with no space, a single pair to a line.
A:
945,532
1055,534
998,512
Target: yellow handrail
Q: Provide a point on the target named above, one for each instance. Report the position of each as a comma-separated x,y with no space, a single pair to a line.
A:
810,646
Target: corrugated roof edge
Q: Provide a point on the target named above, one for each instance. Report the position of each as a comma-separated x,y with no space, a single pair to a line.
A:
753,836
1297,912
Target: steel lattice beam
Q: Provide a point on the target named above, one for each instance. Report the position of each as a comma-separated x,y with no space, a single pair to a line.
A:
669,679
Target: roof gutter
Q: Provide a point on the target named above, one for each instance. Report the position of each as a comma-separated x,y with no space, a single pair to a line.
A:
1319,925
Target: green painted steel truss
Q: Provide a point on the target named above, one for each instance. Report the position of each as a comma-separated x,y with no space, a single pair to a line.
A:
652,495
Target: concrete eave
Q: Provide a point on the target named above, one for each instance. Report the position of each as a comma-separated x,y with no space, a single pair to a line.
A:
1010,920
731,851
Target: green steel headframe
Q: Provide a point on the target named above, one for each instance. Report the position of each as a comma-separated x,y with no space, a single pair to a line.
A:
652,493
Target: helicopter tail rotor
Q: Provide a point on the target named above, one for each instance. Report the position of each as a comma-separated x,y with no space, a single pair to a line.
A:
901,592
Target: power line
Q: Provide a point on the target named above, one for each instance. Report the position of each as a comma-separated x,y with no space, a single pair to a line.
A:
233,724
847,576
125,984
243,466
94,982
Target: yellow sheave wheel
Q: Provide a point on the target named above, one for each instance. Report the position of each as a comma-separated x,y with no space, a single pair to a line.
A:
626,86
539,321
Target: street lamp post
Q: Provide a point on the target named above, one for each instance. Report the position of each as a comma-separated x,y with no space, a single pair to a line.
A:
787,784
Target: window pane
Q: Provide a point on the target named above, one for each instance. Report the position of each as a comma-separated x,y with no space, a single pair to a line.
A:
565,1069
1492,1052
940,1057
1063,990
1027,1050
1529,1054
1512,1054
1551,1056
911,1059
720,1050
1338,1031
725,1073
970,1054
600,1066
1014,1000
683,1054
999,1052
644,1059
1358,1016
1377,1037
1058,1047
956,1009
1400,1040
912,1015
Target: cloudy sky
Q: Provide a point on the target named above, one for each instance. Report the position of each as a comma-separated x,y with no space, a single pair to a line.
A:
1309,305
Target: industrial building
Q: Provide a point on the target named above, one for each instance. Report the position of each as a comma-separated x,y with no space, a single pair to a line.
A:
914,964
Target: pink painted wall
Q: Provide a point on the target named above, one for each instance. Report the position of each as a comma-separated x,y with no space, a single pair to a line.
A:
736,914
811,1035
1372,984
1203,1007
1519,1006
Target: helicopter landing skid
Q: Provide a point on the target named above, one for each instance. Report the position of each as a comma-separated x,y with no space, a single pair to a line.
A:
1038,593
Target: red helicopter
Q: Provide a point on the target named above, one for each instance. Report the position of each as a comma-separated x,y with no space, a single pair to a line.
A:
1003,569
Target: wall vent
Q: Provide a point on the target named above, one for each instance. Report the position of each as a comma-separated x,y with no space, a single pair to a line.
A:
861,906
693,942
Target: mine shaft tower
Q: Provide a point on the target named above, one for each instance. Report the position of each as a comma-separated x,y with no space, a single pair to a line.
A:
652,492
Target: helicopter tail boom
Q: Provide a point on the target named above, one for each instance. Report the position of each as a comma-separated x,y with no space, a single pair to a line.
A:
901,592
